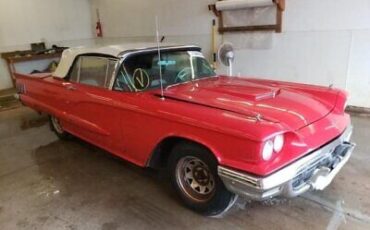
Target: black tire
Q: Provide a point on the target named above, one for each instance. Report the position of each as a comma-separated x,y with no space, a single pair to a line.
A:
57,128
204,196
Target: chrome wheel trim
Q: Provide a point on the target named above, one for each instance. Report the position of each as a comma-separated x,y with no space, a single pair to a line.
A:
56,124
195,179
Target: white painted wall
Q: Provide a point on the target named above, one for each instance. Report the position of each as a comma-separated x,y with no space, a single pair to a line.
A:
61,22
324,41
180,21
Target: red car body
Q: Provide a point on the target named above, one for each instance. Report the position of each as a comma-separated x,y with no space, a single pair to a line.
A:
231,116
220,115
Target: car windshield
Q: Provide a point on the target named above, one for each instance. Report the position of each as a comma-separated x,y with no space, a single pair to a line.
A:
142,71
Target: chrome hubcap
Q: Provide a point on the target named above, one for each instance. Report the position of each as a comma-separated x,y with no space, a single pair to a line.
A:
56,125
195,179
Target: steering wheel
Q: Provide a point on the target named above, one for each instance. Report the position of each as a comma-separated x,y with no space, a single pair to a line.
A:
184,75
122,83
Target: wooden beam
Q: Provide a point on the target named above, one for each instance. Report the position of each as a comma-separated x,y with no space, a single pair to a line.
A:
279,21
280,4
214,10
247,28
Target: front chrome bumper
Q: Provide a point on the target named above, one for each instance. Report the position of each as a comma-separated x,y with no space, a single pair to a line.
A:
312,172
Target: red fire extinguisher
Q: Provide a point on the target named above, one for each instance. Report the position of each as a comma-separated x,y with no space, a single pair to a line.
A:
99,29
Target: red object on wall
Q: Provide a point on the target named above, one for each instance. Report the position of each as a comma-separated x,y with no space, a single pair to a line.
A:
98,28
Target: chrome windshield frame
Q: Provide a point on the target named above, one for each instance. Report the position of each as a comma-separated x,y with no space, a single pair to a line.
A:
126,54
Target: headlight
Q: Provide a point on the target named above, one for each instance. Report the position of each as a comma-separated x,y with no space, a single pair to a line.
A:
278,143
268,150
274,145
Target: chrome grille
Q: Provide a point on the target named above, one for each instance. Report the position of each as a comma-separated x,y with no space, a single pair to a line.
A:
327,159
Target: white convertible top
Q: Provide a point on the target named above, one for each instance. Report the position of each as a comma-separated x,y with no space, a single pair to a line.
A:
116,51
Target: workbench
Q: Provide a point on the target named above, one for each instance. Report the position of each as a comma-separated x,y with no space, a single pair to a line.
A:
11,58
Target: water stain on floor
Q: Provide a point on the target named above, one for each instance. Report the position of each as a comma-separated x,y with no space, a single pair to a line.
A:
8,105
110,226
34,123
74,185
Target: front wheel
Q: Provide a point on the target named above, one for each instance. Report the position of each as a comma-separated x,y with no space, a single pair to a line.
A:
57,128
193,171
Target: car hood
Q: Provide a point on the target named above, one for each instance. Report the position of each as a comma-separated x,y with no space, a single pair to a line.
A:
292,107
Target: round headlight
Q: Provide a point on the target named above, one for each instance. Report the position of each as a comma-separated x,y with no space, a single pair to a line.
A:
278,143
267,151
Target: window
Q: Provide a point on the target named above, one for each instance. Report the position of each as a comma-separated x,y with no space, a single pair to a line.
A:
93,71
75,71
110,71
142,72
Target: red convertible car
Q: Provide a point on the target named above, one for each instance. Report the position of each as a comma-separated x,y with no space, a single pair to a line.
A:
220,137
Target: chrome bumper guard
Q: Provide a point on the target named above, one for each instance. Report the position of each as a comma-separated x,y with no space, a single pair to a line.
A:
312,172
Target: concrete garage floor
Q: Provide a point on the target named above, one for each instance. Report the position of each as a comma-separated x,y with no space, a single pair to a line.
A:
46,183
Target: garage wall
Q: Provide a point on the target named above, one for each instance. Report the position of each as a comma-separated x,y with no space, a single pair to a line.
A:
66,22
180,21
324,42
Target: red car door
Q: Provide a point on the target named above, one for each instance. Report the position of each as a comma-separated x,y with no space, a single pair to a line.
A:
91,112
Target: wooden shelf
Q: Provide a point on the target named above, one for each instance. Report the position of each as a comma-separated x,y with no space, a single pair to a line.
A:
33,57
25,56
247,28
280,7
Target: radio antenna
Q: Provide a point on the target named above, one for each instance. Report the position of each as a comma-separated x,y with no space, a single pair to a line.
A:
159,56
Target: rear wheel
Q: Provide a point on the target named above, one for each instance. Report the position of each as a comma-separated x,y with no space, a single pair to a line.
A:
193,171
57,128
